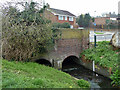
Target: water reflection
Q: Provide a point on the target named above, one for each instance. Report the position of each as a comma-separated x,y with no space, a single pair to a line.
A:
80,72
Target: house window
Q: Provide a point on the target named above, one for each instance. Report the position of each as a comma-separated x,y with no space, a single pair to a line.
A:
60,17
70,18
66,18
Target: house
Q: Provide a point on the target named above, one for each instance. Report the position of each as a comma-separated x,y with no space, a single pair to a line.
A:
109,18
112,16
60,16
101,20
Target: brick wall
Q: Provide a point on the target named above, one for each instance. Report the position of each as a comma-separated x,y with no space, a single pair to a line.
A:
50,16
69,46
101,20
75,45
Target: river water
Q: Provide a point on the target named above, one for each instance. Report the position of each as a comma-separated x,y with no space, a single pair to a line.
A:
80,72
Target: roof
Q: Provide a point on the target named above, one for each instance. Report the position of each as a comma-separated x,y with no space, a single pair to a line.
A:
113,16
61,12
102,17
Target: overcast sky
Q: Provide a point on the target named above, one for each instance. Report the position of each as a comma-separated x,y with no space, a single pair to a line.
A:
78,7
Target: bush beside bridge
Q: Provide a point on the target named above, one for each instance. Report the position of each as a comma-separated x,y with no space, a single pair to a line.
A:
25,34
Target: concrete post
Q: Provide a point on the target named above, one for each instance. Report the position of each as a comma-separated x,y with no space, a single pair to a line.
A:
58,64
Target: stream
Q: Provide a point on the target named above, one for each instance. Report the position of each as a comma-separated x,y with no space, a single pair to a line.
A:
80,72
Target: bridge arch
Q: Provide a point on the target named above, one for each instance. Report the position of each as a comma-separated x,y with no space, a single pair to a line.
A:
44,62
72,59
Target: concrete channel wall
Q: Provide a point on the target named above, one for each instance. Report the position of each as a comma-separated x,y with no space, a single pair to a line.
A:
98,69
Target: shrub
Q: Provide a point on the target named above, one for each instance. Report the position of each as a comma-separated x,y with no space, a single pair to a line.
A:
56,25
56,33
24,35
66,25
83,84
103,55
59,25
116,78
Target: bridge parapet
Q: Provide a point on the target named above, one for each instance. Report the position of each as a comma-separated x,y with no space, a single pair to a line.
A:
66,46
70,45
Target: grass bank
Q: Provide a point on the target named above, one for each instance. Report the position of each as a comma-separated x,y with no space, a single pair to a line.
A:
33,75
105,56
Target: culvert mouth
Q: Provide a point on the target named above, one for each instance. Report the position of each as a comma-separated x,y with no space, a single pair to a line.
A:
70,62
44,62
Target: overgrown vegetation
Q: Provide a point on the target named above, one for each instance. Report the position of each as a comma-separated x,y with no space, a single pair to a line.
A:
111,24
26,34
33,75
84,20
83,83
105,56
116,78
74,33
61,25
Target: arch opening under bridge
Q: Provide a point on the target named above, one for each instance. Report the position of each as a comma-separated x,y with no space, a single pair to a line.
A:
70,62
44,62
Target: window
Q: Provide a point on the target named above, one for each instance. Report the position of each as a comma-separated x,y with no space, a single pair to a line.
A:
60,17
66,18
70,18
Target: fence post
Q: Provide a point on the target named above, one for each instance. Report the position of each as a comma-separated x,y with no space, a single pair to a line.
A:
95,40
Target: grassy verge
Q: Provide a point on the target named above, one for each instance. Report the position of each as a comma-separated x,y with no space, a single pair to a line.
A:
98,33
33,75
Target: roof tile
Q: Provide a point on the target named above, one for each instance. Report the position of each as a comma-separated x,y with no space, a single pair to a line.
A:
61,12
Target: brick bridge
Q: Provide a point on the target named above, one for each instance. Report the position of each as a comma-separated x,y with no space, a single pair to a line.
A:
67,46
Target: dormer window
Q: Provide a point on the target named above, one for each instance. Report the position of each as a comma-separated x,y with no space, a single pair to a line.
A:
60,17
70,18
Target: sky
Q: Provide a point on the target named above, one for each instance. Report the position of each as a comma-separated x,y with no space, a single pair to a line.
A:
77,7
